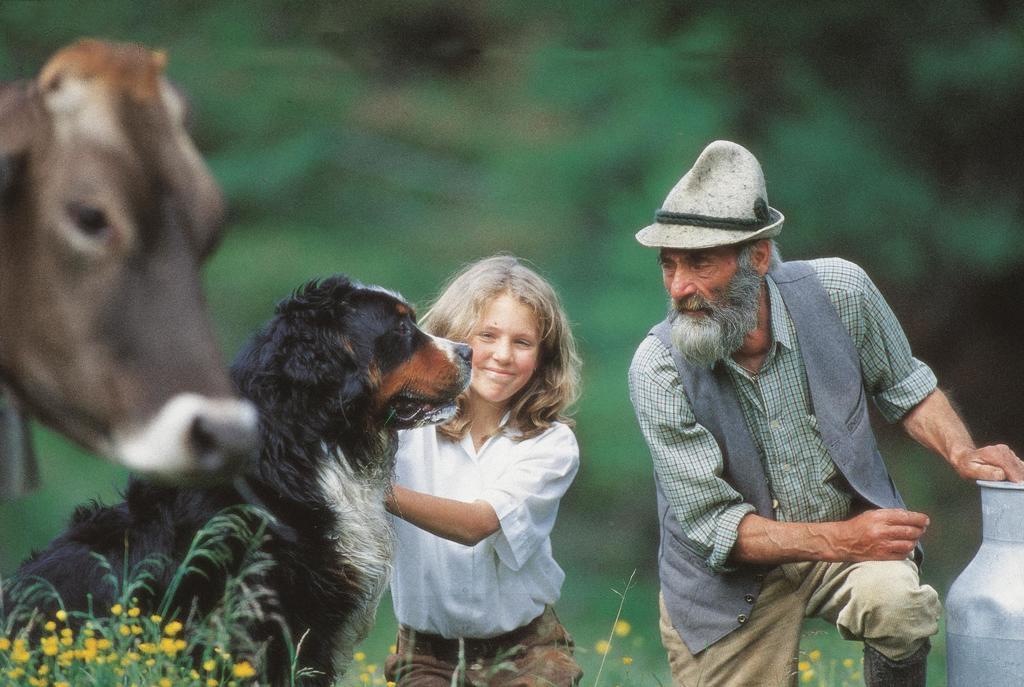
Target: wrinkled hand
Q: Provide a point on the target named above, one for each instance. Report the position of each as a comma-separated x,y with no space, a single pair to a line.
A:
995,463
887,534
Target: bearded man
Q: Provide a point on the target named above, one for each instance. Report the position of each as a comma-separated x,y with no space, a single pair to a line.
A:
774,501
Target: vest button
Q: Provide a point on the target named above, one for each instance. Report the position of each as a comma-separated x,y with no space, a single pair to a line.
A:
759,578
749,598
741,618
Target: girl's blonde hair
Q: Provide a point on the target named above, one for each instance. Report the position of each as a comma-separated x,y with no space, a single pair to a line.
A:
555,383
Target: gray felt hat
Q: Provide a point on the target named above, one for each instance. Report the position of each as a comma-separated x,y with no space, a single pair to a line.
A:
720,201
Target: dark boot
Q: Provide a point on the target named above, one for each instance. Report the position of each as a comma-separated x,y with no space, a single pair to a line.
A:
880,671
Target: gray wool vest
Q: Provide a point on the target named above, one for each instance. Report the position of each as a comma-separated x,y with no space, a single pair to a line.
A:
704,605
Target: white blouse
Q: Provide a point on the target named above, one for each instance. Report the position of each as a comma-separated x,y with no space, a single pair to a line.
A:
503,582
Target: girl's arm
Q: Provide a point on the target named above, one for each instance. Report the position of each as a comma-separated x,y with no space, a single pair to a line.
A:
463,522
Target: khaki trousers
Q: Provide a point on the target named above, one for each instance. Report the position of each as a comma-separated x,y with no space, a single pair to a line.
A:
881,603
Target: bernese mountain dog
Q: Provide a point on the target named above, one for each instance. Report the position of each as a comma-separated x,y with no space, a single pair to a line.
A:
338,370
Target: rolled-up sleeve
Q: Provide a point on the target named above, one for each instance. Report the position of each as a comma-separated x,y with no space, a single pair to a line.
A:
686,456
525,497
896,380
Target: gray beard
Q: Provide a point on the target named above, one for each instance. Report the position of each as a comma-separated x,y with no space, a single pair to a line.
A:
704,340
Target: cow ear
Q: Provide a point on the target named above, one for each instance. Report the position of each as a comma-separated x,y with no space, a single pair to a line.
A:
16,125
12,171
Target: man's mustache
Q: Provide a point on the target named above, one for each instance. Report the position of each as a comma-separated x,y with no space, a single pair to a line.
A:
692,303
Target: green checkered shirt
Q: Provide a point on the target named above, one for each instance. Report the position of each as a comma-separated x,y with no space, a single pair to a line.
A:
804,483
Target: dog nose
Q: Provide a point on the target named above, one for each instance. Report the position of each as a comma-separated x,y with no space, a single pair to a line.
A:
465,352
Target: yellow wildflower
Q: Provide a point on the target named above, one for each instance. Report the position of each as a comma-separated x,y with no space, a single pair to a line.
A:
116,609
211,683
61,684
50,626
167,646
365,677
66,632
393,649
49,645
627,660
148,648
43,670
807,676
243,669
814,655
360,656
602,647
165,682
102,643
156,619
136,629
173,628
194,674
134,612
803,665
847,662
622,628
5,644
208,666
19,654
371,668
15,673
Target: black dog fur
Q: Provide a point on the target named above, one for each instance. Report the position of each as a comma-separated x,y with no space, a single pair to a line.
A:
334,374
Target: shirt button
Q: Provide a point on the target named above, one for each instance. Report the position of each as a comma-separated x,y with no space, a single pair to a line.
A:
759,578
741,618
749,598
775,504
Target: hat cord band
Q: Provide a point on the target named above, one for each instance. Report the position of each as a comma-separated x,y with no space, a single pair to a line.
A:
667,217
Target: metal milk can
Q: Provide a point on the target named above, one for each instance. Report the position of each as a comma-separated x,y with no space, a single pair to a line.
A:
985,605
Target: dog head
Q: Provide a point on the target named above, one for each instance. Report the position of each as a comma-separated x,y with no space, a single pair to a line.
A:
345,365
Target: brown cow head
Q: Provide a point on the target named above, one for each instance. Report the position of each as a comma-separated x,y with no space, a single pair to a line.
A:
106,212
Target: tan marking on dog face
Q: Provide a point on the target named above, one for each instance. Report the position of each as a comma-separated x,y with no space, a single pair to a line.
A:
430,373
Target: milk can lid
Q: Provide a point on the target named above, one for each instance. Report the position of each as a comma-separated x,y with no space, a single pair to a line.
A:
991,484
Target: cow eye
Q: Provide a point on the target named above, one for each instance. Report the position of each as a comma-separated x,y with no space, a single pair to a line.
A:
90,220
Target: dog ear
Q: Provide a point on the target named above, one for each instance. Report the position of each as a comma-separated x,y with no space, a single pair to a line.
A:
303,362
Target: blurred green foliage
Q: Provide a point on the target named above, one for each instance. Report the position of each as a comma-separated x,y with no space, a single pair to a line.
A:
395,141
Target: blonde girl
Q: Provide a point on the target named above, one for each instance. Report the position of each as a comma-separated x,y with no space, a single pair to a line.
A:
476,499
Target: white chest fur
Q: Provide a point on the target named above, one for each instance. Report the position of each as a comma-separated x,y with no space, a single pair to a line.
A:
364,540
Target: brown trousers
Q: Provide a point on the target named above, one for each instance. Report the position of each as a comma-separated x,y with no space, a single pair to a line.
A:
538,654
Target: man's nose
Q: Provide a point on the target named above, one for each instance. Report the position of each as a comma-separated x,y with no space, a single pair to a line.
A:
681,285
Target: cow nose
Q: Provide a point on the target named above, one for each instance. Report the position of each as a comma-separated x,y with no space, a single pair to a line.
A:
192,439
220,447
464,352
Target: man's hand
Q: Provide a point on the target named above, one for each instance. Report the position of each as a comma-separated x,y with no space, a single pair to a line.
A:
995,463
935,424
887,534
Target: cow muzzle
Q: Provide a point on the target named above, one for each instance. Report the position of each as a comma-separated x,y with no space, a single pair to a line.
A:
191,440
